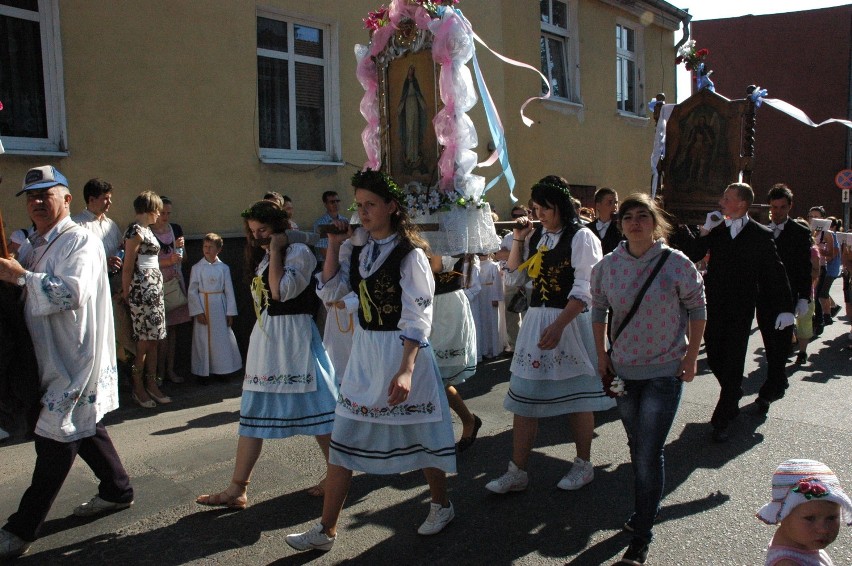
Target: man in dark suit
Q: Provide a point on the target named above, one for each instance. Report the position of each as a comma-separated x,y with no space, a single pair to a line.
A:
743,263
793,242
605,226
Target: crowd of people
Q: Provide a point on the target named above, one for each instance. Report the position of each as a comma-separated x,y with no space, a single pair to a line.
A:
594,307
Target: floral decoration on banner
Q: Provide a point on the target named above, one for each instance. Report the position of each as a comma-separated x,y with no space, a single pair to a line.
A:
380,18
422,200
810,488
695,60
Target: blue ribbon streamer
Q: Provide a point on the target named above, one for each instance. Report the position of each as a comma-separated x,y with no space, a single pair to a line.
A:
758,95
494,127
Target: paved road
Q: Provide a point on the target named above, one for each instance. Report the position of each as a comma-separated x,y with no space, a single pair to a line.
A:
707,517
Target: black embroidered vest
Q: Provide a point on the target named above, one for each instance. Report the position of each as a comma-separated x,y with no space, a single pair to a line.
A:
447,282
385,294
556,278
305,302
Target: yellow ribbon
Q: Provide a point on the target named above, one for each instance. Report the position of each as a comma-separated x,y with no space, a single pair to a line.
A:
366,299
534,263
259,296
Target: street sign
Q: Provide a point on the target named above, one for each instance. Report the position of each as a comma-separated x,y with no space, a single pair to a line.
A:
843,179
844,196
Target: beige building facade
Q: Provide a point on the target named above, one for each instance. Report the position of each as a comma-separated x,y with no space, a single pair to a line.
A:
214,103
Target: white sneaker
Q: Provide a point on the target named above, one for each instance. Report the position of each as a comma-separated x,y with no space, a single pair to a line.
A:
12,545
439,517
580,474
313,539
515,479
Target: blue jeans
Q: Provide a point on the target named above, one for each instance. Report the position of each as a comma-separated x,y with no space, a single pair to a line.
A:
647,412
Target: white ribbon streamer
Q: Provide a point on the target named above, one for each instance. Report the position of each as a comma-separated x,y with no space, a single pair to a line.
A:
799,115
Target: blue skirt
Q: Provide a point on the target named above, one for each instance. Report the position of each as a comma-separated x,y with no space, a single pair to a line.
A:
281,415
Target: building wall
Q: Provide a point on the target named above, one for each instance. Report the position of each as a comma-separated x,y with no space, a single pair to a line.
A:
804,59
162,95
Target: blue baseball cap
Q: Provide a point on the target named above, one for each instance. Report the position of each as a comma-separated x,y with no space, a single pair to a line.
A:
42,177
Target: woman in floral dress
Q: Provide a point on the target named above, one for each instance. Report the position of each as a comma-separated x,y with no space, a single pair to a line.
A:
142,288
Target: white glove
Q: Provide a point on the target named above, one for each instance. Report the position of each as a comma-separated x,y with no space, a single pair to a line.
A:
802,306
713,219
784,320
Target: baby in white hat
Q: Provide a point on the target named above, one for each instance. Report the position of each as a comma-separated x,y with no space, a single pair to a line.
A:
810,505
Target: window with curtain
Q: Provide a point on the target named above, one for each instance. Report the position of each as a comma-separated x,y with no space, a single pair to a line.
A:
559,48
294,89
31,120
627,80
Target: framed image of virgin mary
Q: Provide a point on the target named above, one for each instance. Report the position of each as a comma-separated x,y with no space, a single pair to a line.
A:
410,103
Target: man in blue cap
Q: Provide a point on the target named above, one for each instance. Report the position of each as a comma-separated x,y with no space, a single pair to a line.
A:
69,315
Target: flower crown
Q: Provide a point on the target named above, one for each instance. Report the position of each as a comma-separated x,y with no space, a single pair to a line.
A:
378,182
564,189
264,211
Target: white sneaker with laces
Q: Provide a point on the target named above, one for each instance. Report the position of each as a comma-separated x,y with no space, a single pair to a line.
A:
314,539
580,474
96,506
12,545
515,479
439,517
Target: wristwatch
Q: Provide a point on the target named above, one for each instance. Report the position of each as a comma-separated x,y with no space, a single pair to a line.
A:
22,280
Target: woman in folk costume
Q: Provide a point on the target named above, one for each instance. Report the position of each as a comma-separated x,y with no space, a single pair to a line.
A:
289,387
392,416
488,328
554,367
453,337
213,306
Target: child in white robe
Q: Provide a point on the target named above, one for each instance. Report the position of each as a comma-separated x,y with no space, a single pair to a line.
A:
212,305
487,317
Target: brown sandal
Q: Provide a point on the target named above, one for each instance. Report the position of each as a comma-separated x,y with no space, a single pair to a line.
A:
223,499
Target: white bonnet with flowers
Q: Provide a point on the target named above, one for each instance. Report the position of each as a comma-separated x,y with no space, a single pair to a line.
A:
799,481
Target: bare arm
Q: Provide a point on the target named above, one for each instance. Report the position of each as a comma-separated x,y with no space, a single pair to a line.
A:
400,385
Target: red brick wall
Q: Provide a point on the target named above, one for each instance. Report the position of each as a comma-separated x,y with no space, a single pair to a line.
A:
802,58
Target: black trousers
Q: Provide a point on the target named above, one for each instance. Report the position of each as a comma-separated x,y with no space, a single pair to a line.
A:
726,338
776,343
53,462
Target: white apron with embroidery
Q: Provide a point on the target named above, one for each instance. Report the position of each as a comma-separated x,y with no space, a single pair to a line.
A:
279,357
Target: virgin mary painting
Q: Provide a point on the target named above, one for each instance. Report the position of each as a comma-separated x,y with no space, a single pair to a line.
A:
412,115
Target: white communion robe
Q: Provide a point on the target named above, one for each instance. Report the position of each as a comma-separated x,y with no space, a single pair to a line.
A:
211,292
69,315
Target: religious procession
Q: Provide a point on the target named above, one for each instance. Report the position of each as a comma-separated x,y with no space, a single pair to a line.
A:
468,305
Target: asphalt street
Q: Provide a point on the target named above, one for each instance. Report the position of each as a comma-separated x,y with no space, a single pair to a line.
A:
713,490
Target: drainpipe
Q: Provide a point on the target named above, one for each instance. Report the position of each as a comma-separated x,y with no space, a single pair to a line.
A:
685,21
849,116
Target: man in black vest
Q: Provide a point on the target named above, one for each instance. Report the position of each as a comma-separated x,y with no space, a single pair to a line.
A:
605,226
743,263
793,242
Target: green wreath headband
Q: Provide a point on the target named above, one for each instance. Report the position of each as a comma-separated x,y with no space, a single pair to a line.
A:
378,182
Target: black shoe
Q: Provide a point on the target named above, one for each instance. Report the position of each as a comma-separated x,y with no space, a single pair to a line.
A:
802,358
720,435
637,552
761,406
467,441
827,320
835,309
630,525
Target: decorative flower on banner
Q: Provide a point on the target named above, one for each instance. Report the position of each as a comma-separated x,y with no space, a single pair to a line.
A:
695,60
376,19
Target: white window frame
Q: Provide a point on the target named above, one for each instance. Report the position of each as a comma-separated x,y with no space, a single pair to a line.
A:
569,38
330,63
52,75
638,58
